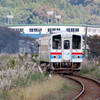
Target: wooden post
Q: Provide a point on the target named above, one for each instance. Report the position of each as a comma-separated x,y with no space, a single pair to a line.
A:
85,42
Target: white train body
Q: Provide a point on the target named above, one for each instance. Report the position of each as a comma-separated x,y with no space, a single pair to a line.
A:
62,50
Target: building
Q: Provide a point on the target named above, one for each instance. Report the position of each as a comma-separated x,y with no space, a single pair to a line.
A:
36,30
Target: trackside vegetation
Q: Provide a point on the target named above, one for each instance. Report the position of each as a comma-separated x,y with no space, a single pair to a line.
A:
91,68
20,79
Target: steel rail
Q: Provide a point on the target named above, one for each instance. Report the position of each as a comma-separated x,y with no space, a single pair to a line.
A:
83,87
94,80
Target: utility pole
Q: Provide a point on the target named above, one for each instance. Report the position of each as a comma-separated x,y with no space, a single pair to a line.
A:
50,13
9,17
85,41
58,17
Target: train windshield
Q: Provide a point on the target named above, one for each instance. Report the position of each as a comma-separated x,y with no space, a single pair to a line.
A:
76,42
56,42
66,44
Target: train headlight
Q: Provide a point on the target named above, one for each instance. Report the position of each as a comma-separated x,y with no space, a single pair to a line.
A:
57,57
54,56
76,56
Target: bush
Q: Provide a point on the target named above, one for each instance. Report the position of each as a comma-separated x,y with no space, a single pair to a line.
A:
26,53
93,68
11,63
32,55
84,70
29,79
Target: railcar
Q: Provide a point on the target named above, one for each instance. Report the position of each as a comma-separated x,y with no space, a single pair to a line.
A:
61,52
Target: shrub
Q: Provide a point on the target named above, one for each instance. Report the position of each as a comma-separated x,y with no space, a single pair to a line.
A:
32,55
26,53
20,57
93,68
36,55
84,70
11,63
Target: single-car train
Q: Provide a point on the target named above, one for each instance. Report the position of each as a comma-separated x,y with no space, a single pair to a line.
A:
61,51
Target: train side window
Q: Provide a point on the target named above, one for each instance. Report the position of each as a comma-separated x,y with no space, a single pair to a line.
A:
68,29
76,42
72,29
21,29
56,42
76,29
31,30
58,29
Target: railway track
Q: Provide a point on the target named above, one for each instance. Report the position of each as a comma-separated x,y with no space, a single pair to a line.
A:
90,87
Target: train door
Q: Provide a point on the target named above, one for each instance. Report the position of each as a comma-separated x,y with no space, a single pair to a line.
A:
66,49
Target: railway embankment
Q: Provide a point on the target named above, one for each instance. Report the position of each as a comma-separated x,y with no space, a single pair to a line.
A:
21,78
91,69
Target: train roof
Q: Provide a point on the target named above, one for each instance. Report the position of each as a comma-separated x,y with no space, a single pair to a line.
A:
48,35
81,25
45,36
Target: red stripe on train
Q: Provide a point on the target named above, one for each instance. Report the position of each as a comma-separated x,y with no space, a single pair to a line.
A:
56,53
77,53
73,53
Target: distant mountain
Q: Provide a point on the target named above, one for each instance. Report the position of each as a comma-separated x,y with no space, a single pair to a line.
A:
35,11
83,2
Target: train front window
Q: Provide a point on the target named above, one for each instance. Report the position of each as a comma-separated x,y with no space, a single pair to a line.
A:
66,44
76,42
56,44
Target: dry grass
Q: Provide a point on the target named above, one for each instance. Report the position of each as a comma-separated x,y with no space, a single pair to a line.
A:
11,68
91,68
19,83
39,90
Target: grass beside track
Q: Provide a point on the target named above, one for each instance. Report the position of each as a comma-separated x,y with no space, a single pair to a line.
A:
21,80
91,68
54,88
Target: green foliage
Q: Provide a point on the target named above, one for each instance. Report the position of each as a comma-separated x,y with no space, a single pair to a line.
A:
97,73
66,88
84,70
35,11
36,55
32,55
26,53
11,63
93,68
94,45
22,82
46,74
20,57
33,59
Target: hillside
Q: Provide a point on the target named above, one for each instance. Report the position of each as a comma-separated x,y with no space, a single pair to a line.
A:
13,42
35,11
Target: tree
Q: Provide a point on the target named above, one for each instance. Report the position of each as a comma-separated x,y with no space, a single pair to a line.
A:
72,15
11,41
94,19
94,45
